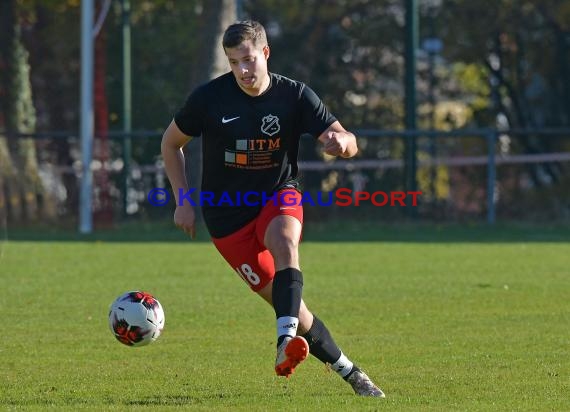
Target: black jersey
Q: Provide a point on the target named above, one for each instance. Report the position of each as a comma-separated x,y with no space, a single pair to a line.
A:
250,144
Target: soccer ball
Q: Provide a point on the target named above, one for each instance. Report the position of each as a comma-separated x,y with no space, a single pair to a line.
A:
136,318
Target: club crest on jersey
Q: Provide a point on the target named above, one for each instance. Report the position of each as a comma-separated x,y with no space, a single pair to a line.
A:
270,125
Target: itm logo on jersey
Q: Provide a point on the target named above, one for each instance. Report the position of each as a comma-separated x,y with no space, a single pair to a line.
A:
257,153
270,125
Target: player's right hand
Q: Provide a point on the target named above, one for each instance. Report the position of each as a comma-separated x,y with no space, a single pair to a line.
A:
185,219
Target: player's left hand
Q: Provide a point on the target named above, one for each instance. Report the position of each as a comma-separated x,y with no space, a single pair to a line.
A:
336,144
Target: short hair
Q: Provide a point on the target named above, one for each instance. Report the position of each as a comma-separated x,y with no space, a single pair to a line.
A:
242,31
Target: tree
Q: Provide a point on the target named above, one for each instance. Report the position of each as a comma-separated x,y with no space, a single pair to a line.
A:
523,51
19,172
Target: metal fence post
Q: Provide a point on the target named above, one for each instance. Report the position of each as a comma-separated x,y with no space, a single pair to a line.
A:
86,118
491,176
127,103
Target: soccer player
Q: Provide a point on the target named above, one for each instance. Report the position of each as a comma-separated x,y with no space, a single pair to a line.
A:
251,121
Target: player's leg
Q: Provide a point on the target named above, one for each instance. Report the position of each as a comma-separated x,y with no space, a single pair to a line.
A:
244,251
324,348
281,238
279,228
255,265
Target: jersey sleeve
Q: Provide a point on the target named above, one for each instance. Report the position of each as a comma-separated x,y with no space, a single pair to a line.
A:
315,117
190,117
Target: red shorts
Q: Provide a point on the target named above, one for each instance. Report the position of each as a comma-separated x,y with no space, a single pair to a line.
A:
244,249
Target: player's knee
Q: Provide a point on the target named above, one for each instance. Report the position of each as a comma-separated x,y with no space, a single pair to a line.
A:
283,232
283,247
288,243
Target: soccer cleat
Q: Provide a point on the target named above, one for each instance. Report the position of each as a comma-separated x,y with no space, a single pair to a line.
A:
363,385
290,353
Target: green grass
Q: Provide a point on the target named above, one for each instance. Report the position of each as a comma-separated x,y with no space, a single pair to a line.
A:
440,325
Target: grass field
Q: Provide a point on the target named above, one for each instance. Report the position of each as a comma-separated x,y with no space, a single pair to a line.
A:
440,324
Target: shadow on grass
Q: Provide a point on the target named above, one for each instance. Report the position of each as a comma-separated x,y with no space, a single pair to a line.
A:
78,402
344,231
165,401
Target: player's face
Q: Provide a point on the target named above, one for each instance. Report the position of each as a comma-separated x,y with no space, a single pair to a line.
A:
249,66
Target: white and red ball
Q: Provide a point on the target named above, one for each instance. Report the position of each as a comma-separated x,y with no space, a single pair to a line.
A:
136,318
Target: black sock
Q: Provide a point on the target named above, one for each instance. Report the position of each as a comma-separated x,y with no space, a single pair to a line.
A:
321,343
286,294
323,346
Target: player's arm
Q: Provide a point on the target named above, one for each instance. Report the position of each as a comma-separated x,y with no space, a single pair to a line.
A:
338,141
173,140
